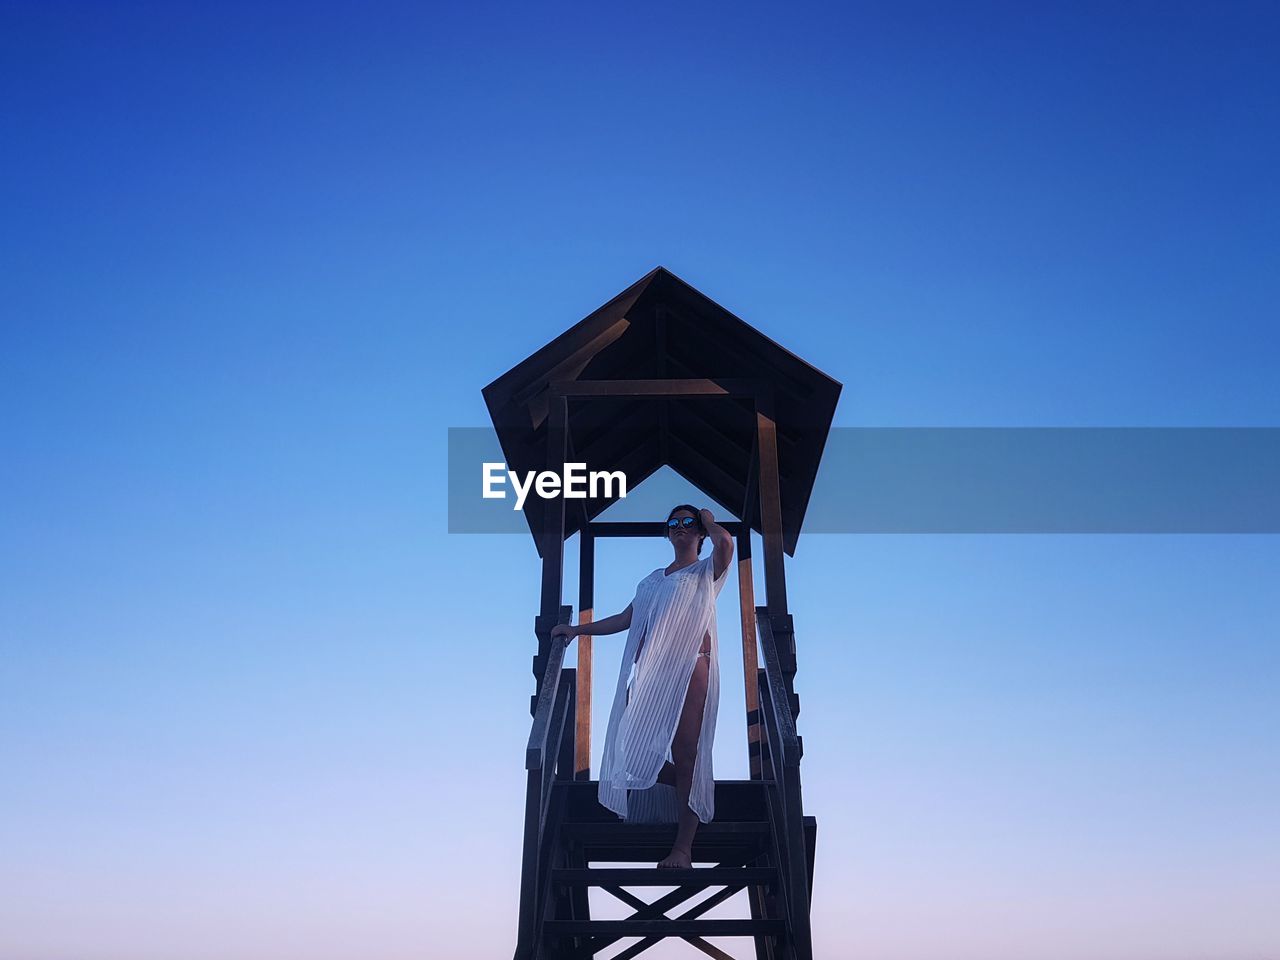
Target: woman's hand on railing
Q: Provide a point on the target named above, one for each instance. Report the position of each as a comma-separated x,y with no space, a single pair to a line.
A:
564,630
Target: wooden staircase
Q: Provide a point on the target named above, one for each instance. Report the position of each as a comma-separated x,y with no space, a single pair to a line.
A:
759,842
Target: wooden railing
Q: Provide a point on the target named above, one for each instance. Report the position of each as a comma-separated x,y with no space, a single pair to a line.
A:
548,757
783,793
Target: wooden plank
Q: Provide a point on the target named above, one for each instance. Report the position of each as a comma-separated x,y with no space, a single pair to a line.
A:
568,730
696,911
734,800
664,928
553,518
579,897
659,908
586,604
664,877
556,748
775,580
526,927
749,500
710,949
810,847
537,755
672,387
617,830
750,667
762,904
551,853
571,456
724,848
785,802
779,703
796,883
661,315
537,760
645,528
630,899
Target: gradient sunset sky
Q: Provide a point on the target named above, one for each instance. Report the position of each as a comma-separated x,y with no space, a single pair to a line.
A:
257,704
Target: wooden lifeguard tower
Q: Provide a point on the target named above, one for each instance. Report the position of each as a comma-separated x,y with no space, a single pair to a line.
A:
663,375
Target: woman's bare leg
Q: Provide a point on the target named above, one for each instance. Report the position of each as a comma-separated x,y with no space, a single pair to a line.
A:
684,750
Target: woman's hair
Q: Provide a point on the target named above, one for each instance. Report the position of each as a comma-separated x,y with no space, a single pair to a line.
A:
697,514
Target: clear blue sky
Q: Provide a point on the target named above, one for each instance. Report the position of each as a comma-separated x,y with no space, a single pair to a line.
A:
253,697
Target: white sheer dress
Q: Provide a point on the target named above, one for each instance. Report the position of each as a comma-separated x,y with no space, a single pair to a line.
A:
670,615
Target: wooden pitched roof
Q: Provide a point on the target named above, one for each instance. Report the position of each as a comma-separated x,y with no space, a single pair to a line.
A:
658,328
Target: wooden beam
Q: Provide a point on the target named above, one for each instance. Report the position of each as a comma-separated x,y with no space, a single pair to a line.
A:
770,498
586,604
717,898
658,909
753,474
553,520
664,408
572,457
696,387
750,662
644,528
537,755
787,751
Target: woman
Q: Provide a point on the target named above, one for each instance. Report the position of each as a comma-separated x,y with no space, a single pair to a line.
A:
662,725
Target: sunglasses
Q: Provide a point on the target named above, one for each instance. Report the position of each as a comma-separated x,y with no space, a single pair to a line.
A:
681,522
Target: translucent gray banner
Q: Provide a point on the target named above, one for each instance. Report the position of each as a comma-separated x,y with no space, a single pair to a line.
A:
989,480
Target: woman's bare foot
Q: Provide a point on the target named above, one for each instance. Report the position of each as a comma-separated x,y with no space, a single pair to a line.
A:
678,857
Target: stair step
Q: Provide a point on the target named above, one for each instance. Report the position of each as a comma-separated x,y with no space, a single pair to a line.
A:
663,877
618,842
734,800
663,928
619,831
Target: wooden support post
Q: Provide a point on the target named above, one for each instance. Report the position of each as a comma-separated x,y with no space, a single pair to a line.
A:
664,405
586,611
775,580
775,576
552,539
750,496
553,512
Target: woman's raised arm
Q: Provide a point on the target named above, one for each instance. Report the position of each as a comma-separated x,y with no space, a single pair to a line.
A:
721,543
